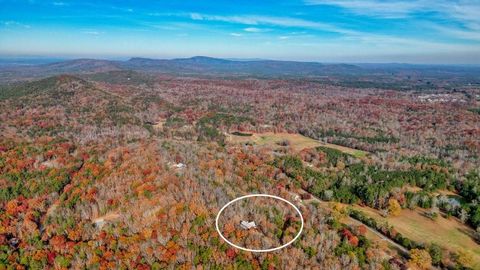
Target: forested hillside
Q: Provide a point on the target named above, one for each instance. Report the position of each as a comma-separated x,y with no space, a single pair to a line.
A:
116,169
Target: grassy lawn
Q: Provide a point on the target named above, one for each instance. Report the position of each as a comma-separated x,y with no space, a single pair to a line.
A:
297,141
447,233
346,150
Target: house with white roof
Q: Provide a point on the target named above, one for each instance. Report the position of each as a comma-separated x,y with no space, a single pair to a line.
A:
247,225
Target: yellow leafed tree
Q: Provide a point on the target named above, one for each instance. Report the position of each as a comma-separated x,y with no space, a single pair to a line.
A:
394,207
420,259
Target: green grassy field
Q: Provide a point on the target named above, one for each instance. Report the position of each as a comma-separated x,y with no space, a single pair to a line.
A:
297,142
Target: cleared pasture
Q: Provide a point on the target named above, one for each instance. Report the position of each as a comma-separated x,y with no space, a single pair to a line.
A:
296,141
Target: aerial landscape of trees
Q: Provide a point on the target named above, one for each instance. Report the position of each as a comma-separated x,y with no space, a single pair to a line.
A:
125,170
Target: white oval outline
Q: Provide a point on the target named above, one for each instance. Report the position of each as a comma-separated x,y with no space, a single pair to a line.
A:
258,195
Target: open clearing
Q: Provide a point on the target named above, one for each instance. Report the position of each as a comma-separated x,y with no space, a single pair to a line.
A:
447,233
297,142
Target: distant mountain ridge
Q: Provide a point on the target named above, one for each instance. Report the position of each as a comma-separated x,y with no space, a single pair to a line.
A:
198,65
209,66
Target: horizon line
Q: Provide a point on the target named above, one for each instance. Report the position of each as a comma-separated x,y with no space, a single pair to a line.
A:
63,58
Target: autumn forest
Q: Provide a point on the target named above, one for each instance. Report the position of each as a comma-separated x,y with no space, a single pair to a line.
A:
125,168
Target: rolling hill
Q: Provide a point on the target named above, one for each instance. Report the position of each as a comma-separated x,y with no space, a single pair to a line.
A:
359,75
194,66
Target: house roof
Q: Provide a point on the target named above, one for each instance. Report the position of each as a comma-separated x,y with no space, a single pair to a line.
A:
247,225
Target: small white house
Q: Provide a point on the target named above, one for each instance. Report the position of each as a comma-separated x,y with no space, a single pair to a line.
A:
180,165
99,223
247,225
176,165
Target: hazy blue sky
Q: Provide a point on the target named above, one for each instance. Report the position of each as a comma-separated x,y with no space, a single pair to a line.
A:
416,31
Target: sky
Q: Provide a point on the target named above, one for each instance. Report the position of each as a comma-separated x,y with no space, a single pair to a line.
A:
368,31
